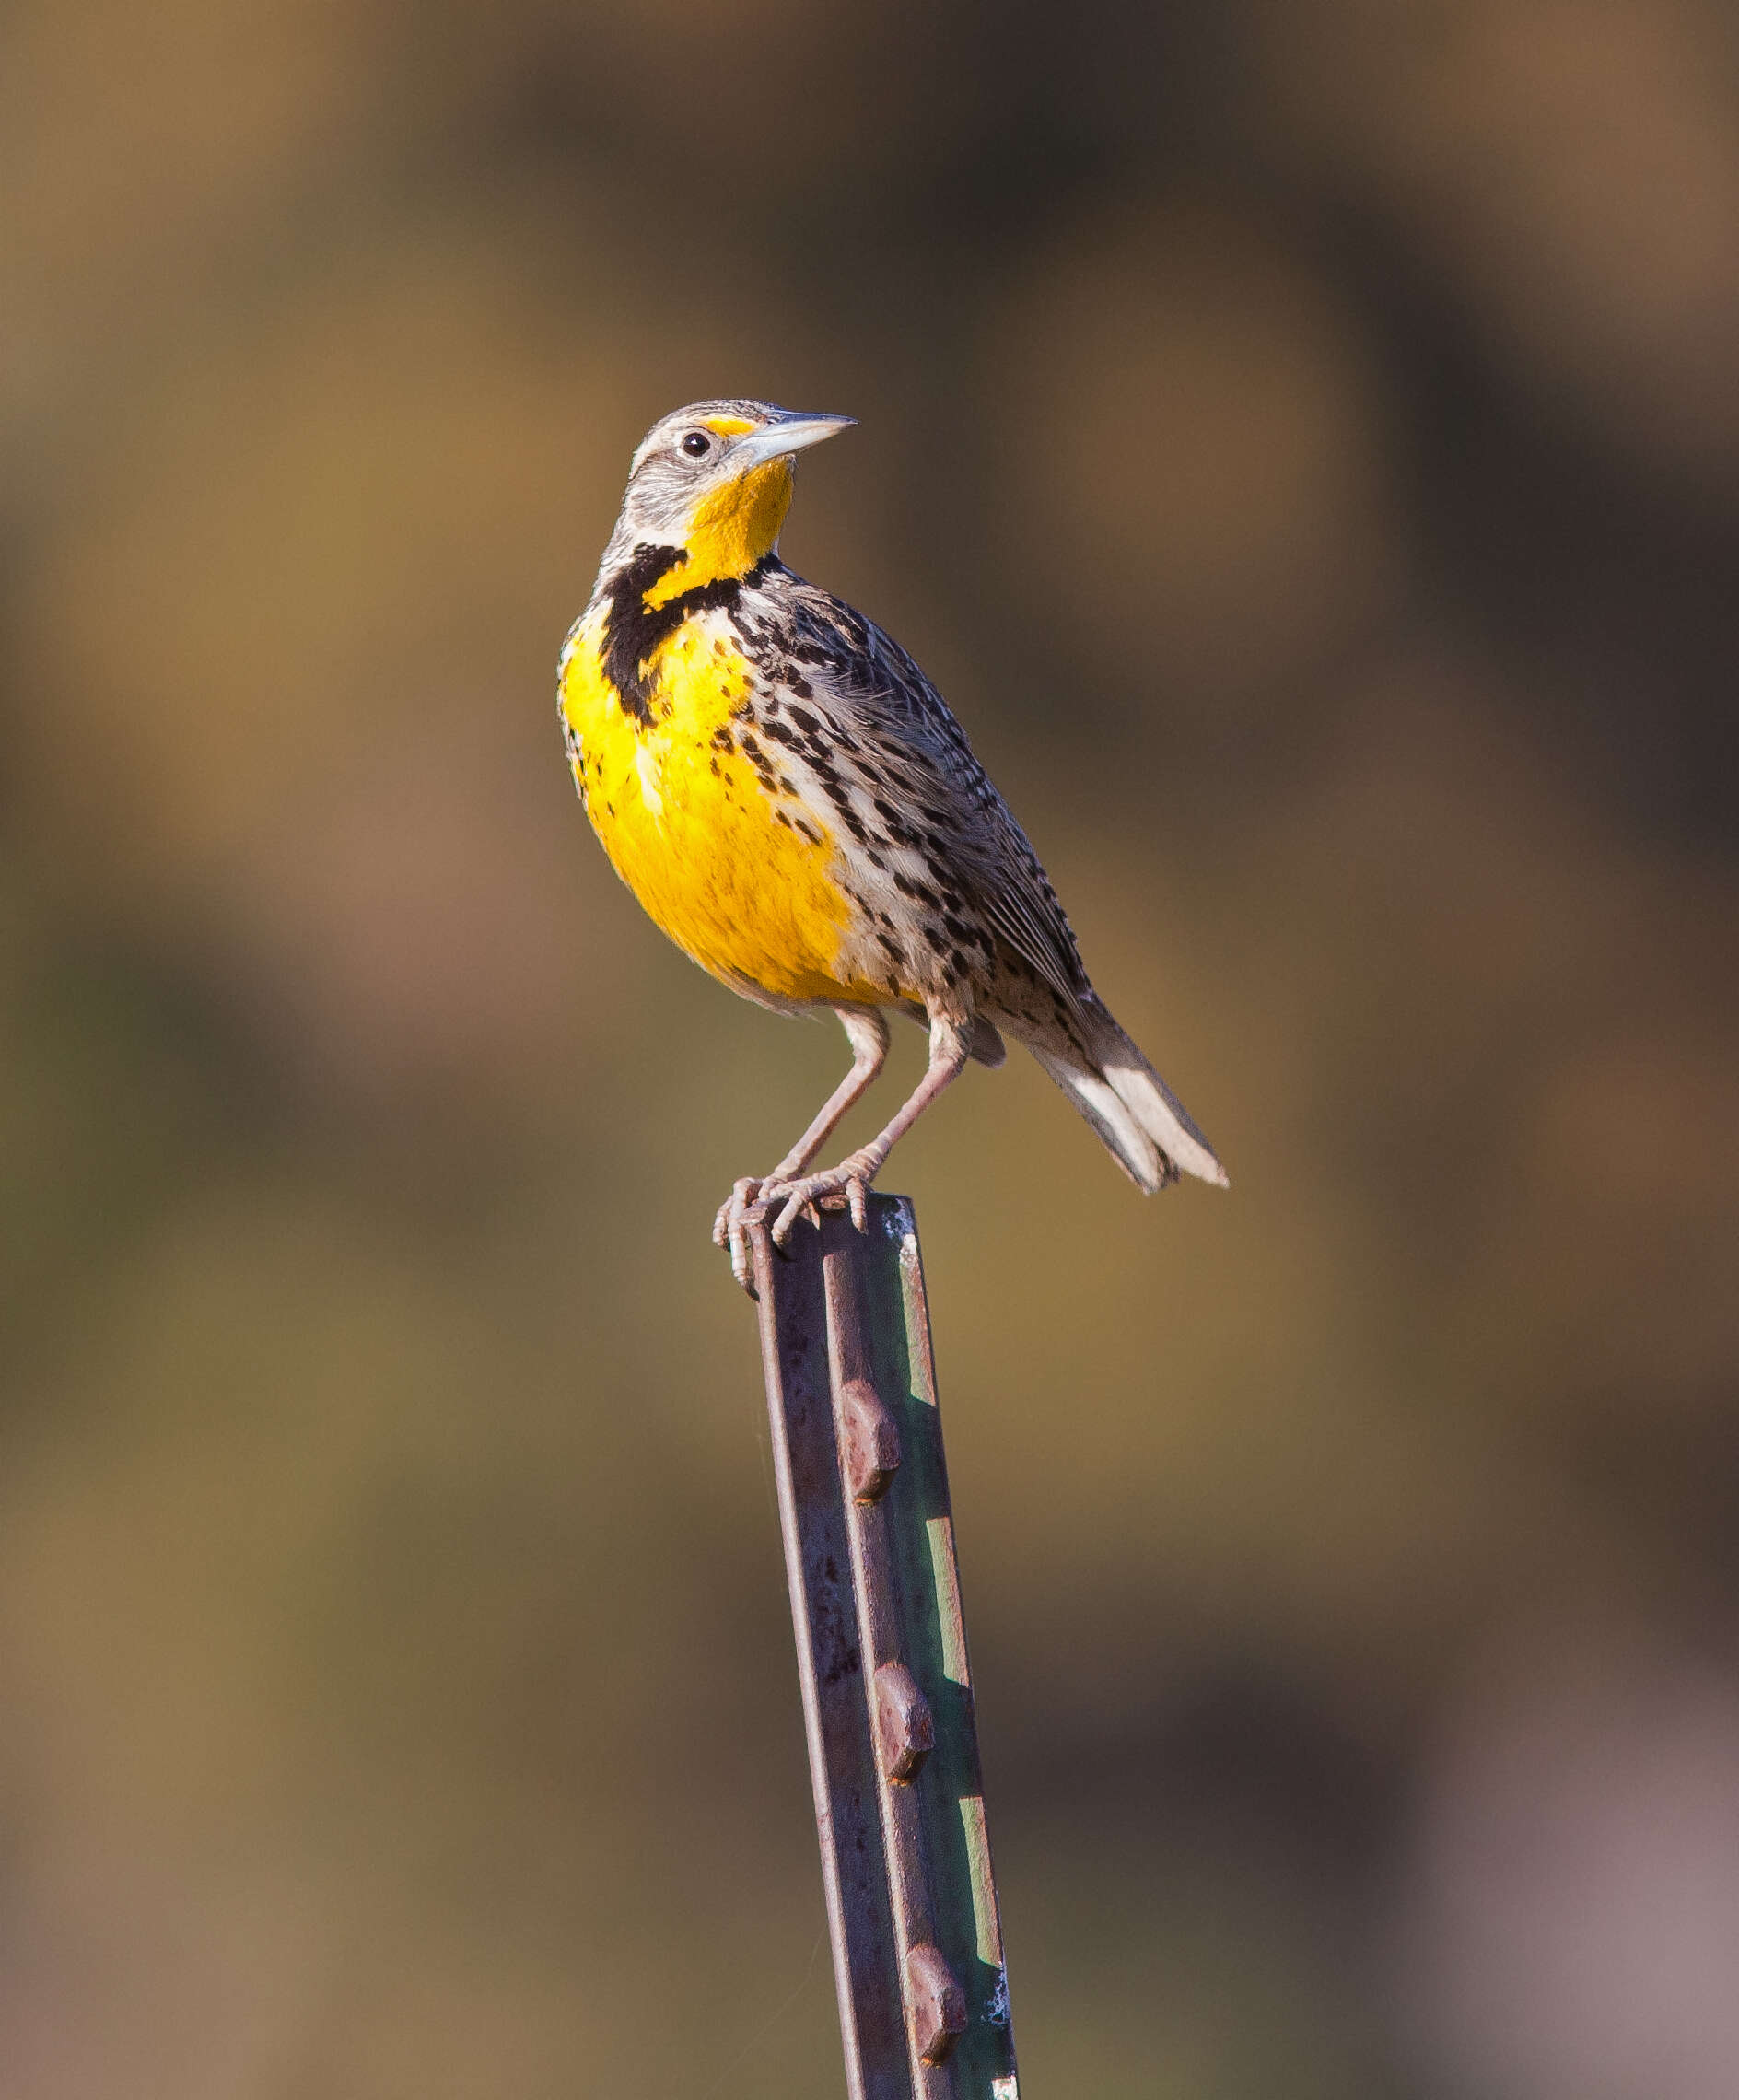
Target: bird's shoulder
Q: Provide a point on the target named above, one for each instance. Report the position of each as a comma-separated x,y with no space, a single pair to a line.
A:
854,666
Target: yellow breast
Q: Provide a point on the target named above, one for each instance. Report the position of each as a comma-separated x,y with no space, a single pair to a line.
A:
718,863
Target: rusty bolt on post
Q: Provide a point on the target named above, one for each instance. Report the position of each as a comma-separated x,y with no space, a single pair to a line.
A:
905,1729
872,1442
937,2004
881,1660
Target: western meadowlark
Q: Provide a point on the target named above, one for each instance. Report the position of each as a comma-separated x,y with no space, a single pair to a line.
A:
788,795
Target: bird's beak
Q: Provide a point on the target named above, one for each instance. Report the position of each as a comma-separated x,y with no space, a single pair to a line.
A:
788,434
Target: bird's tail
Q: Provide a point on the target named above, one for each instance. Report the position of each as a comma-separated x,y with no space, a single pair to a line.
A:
1146,1128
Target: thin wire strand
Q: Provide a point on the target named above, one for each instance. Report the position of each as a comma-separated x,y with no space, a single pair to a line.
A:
772,2021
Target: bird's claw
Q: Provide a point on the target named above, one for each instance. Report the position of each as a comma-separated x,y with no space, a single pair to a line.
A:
740,1209
800,1198
742,1194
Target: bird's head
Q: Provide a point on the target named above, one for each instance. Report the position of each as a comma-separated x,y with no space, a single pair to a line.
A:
714,482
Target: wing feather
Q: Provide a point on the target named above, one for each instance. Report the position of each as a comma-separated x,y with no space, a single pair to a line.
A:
856,669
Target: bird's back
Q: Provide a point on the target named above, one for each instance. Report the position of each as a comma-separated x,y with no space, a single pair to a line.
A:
928,837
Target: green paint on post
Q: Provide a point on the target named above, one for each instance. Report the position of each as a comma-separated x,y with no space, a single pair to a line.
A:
932,1636
945,1575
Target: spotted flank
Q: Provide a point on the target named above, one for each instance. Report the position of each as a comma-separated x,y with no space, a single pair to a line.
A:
792,802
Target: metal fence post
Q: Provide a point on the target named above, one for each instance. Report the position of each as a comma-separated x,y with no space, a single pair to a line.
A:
881,1659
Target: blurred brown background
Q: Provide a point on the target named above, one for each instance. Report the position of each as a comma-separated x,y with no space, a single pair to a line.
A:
1303,440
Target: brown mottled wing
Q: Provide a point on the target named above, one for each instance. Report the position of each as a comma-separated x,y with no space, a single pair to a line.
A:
856,668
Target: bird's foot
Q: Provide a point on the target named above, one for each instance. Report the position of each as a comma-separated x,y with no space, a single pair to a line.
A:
753,1196
740,1209
743,1208
850,1178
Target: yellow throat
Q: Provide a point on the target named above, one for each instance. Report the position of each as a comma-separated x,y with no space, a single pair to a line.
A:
730,529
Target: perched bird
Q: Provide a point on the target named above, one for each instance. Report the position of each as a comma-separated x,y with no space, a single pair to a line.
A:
788,795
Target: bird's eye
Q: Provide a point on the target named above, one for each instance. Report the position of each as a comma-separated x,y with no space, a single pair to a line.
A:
697,444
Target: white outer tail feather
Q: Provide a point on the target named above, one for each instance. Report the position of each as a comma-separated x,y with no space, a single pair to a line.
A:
1144,1125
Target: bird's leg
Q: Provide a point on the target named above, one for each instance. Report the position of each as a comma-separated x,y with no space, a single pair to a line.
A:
867,1033
854,1173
